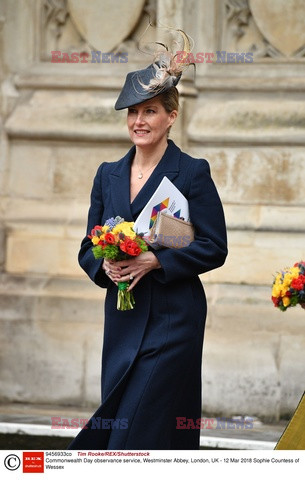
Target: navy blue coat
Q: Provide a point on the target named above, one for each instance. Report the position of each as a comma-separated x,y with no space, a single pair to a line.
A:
151,362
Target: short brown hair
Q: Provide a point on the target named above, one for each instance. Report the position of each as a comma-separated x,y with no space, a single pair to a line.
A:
170,99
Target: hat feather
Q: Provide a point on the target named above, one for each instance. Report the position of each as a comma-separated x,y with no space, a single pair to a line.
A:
166,65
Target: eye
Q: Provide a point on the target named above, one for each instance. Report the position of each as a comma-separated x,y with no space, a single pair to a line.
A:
150,110
131,111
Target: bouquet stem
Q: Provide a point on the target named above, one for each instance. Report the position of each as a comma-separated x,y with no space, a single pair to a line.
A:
126,299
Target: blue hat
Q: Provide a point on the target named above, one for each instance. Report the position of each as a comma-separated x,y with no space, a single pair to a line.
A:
145,84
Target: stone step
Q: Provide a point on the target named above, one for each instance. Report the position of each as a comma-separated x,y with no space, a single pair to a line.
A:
22,422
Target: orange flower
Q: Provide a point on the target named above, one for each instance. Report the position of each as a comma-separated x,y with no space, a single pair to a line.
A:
109,238
130,247
298,283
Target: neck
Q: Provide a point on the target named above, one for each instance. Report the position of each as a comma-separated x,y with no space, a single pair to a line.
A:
148,156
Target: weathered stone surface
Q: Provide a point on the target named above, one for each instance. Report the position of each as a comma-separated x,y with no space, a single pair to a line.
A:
291,361
254,257
281,22
69,116
55,256
47,365
248,308
268,353
257,176
75,168
31,171
43,248
260,121
48,172
23,23
105,38
53,355
240,375
2,248
92,368
71,212
276,218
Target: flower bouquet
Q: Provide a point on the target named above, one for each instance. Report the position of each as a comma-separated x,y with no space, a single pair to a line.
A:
288,288
117,240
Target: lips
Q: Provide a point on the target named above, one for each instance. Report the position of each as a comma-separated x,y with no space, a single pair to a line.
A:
141,132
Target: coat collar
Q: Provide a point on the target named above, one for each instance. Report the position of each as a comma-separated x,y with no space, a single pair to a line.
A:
120,181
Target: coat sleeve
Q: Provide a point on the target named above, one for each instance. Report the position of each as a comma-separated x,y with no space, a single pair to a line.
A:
209,249
89,264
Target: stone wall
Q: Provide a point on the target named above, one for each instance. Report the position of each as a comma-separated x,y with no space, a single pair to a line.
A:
58,124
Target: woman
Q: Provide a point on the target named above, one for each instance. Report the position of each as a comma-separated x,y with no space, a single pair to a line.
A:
151,365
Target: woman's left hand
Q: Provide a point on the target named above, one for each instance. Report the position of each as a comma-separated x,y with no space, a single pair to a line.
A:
134,269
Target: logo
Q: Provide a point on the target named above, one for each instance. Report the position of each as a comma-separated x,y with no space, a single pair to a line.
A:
221,56
222,423
96,423
33,462
12,462
84,57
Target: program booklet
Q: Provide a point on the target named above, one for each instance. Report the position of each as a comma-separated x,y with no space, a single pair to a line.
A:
166,198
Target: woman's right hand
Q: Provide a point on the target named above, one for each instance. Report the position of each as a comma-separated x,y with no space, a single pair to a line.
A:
111,270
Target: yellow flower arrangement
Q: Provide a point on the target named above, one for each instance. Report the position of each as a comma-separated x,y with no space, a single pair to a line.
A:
126,228
288,288
116,240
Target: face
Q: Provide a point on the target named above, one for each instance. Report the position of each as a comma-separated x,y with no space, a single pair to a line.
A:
148,122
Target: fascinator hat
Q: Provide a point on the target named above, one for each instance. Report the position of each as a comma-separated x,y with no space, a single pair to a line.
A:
164,73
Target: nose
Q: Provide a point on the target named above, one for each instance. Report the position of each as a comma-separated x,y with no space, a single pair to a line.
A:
140,118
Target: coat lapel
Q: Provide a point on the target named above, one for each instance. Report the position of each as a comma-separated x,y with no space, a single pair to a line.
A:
120,182
168,166
120,186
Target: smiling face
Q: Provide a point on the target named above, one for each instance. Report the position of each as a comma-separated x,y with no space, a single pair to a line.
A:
148,123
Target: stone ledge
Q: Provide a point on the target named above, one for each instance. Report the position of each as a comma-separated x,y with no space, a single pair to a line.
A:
77,288
250,83
71,211
256,121
54,115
